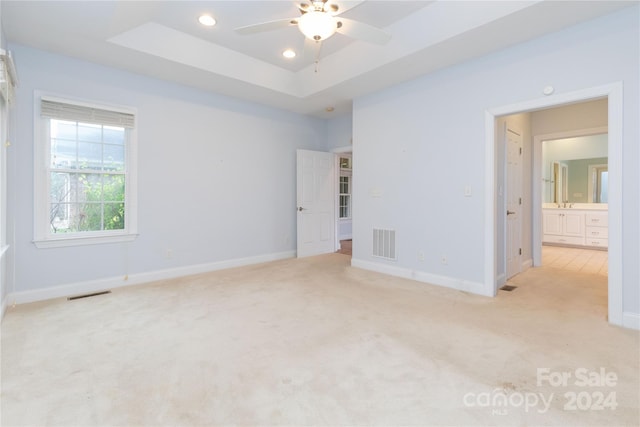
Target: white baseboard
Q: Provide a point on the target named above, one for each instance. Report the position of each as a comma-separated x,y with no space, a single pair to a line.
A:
527,264
501,279
80,288
631,320
434,279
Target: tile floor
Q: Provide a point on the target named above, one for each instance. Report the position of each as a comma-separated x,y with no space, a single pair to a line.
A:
576,259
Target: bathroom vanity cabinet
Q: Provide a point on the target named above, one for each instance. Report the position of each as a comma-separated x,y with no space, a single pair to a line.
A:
575,227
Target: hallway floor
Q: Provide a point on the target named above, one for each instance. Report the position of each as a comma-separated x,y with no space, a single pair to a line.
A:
345,247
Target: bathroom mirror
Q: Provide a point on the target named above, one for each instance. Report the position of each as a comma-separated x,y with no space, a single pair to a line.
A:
575,170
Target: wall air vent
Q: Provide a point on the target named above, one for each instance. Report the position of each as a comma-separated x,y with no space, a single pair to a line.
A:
95,294
384,243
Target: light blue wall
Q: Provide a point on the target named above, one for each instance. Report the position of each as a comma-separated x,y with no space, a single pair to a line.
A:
420,143
339,131
216,176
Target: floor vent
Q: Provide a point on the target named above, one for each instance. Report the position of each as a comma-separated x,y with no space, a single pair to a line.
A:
384,243
95,294
508,288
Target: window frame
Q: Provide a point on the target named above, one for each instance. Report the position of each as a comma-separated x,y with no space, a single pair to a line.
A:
348,175
43,237
346,170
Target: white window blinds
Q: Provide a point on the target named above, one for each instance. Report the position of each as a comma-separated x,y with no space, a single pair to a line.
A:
80,113
8,78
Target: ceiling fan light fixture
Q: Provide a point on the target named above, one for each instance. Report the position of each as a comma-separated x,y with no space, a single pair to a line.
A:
317,25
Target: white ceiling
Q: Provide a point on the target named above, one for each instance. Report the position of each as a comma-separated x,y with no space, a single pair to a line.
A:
163,39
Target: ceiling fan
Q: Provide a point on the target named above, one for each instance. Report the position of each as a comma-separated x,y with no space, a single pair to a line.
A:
320,20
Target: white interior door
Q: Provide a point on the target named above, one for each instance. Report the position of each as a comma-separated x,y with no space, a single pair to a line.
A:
514,201
315,202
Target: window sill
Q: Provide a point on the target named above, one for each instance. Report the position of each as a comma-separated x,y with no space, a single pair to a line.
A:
82,241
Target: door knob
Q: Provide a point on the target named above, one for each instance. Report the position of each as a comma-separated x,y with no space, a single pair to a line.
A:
300,209
510,213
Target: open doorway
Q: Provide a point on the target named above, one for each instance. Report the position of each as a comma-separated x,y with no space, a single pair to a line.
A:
324,202
344,221
574,189
572,193
496,202
568,147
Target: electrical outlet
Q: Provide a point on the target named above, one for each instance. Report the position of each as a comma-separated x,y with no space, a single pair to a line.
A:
444,260
420,256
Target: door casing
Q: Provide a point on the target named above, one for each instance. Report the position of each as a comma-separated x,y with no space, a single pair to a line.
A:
614,93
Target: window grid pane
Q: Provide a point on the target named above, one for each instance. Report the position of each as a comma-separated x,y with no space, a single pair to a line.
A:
345,197
87,177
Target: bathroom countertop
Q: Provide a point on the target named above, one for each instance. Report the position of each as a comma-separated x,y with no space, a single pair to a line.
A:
581,206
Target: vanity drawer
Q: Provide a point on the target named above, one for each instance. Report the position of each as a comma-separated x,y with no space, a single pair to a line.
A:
597,220
602,243
565,240
597,232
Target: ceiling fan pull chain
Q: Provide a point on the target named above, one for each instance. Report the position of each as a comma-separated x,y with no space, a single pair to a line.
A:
317,61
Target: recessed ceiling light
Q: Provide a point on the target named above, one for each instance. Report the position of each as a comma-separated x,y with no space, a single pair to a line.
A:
329,109
289,53
207,20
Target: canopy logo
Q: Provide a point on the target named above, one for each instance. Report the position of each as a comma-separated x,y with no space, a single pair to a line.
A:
499,401
583,390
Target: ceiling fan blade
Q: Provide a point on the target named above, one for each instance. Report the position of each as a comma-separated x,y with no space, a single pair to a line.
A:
304,6
362,31
267,26
335,7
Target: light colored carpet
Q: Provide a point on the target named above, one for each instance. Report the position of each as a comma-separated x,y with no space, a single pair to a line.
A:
317,342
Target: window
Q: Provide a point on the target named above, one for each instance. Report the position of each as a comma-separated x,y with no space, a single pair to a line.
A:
85,174
345,196
344,208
